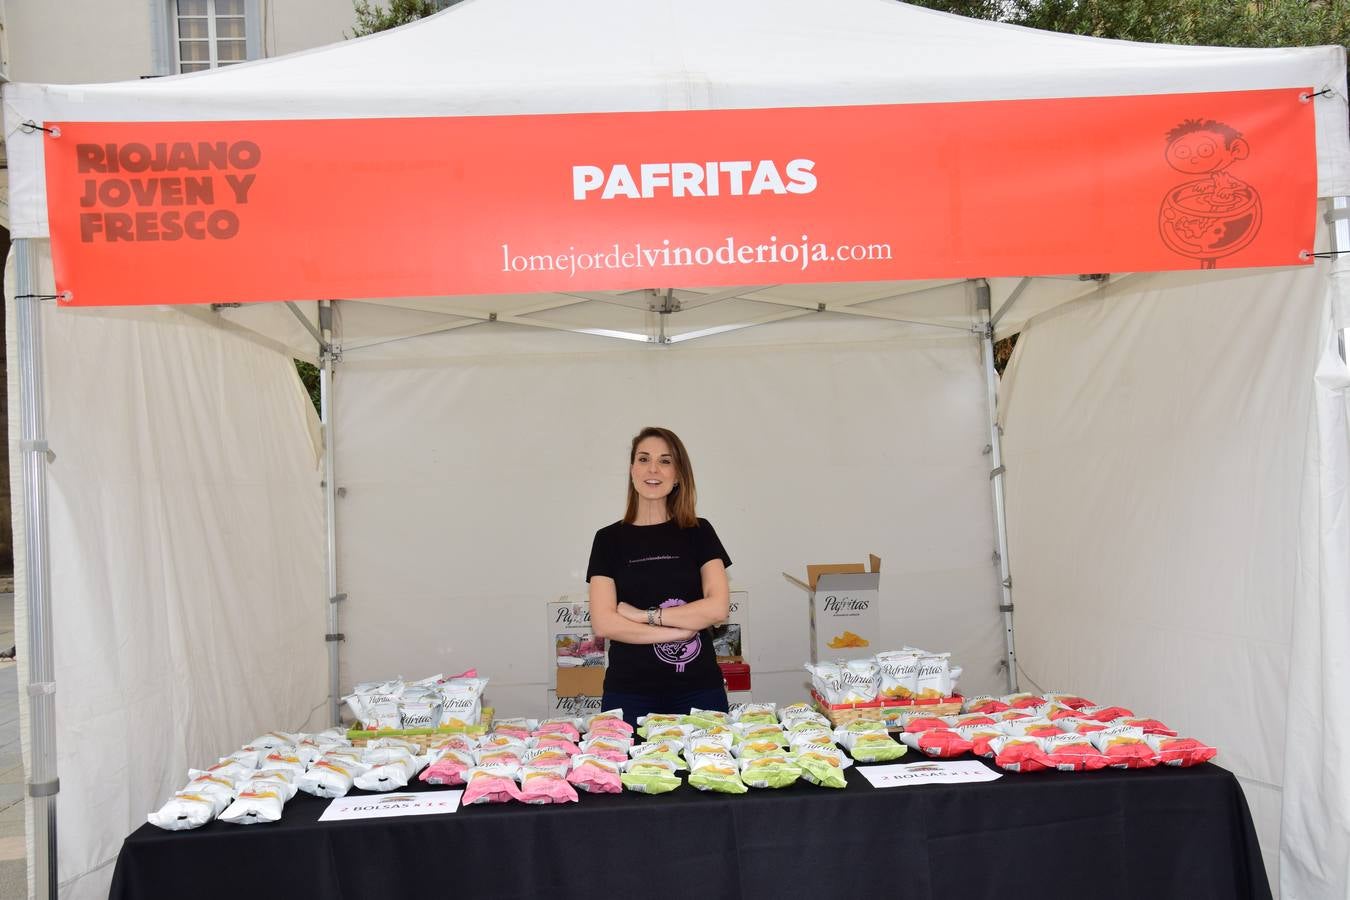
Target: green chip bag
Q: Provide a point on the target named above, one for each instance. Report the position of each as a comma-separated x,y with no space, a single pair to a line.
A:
880,749
769,772
650,781
715,772
821,769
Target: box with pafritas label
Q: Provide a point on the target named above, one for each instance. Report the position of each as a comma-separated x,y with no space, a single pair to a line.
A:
843,602
578,655
579,707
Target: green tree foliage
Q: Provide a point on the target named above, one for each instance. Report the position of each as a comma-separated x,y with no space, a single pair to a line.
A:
309,377
1256,23
373,15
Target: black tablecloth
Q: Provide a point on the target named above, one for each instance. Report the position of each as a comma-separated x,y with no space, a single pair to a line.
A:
1134,835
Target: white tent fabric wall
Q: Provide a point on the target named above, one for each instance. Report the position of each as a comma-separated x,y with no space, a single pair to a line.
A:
1156,439
187,562
473,487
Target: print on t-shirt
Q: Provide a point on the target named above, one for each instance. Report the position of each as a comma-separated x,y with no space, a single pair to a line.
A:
678,653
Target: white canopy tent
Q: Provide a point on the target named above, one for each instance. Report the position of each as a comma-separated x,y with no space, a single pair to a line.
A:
1176,443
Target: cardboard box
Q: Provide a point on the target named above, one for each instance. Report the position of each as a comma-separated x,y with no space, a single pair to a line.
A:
729,637
579,707
843,600
578,655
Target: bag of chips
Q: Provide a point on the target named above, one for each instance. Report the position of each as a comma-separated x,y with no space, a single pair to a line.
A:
383,715
254,807
419,713
1018,754
610,718
612,748
800,712
919,723
748,713
461,742
328,778
941,743
567,728
1124,747
220,790
500,756
709,742
860,680
184,810
595,775
935,677
654,720
389,776
667,750
490,784
523,726
715,771
774,771
706,718
379,756
268,779
979,737
1022,700
547,756
462,702
229,768
1103,713
249,757
1030,728
449,768
650,775
545,784
1148,726
822,766
984,704
1072,753
557,742
1080,726
899,674
754,749
1073,701
759,732
803,740
870,746
1179,751
287,761
968,719
273,740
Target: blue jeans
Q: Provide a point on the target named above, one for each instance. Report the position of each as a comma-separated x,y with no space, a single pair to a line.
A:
634,705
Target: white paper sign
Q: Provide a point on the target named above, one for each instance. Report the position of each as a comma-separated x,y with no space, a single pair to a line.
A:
928,772
386,806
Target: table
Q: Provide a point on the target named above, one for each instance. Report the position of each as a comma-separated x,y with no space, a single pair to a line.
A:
1150,834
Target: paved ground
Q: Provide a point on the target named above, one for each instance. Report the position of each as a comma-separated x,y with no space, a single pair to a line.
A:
13,875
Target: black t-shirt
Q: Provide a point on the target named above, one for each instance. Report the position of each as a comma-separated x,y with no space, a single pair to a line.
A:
658,566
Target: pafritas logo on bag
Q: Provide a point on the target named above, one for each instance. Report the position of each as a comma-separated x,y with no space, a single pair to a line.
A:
573,615
164,192
715,178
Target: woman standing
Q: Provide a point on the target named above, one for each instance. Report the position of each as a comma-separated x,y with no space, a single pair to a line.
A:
658,582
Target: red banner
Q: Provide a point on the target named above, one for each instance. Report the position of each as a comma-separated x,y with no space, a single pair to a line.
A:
191,212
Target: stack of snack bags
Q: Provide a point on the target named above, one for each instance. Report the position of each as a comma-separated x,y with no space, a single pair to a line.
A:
249,786
905,676
434,702
1033,732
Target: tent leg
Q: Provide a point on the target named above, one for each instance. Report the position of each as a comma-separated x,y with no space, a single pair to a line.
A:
986,330
42,781
333,637
1338,218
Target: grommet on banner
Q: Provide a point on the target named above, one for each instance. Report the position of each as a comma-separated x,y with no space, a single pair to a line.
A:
1306,98
30,126
997,472
337,598
335,637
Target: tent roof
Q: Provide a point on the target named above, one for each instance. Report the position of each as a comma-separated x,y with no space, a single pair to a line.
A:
502,57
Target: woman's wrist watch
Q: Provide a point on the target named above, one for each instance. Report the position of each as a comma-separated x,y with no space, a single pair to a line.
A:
651,617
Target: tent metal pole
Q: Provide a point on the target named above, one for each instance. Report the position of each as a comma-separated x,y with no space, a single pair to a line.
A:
43,784
1338,222
996,472
327,352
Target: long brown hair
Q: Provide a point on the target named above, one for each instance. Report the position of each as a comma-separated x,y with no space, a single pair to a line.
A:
680,502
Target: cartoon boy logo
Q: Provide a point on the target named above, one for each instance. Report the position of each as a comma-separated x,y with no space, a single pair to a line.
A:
1215,214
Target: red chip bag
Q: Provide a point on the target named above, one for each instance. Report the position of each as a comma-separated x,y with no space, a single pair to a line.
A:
1124,747
559,743
985,705
1018,754
1031,728
1073,701
1179,751
979,737
939,742
1073,753
1149,726
1103,713
1023,701
917,724
449,769
1081,726
968,719
545,784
